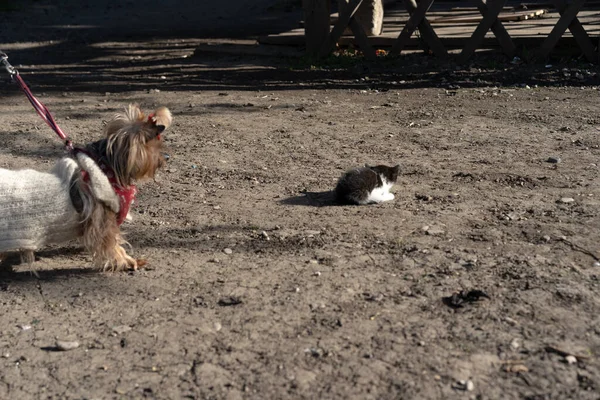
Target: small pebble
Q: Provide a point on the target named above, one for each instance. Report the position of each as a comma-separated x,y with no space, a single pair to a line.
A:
63,345
516,368
265,235
514,344
566,200
120,390
318,273
571,359
25,327
434,230
553,160
227,250
596,263
464,385
470,385
313,262
546,238
217,326
121,329
5,355
217,207
229,301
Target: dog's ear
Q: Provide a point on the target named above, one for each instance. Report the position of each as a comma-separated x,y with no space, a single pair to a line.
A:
161,119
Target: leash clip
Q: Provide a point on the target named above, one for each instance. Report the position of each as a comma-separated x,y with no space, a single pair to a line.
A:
9,68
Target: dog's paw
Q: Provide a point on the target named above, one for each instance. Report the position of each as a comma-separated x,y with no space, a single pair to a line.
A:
124,263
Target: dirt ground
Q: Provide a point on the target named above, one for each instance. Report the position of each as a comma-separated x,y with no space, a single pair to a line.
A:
312,300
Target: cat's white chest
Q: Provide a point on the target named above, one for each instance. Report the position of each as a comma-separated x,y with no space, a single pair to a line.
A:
381,193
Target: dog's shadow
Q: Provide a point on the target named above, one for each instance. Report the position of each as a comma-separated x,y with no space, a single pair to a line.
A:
312,199
9,274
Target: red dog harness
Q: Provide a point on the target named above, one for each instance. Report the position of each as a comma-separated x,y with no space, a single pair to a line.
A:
126,194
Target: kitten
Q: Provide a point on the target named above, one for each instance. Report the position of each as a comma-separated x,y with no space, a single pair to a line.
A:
367,185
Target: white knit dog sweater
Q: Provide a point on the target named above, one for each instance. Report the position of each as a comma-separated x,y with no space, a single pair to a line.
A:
36,208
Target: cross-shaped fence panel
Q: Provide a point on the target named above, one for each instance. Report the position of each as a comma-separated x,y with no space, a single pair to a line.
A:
417,20
322,43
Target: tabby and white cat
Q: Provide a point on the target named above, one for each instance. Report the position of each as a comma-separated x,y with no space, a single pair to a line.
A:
367,185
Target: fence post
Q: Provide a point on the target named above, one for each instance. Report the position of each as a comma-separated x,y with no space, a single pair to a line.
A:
316,24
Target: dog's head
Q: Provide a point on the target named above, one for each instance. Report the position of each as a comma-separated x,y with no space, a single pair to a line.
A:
134,143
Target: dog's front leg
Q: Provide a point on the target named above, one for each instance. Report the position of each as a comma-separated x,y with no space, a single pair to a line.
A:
122,261
102,237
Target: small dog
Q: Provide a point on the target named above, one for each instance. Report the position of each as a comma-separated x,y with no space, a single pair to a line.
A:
86,195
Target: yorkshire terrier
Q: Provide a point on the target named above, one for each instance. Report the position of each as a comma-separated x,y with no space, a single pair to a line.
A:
87,194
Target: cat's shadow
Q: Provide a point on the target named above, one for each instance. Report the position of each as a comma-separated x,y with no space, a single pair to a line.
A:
312,199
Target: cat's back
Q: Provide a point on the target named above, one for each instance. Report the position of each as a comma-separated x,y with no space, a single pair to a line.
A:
355,185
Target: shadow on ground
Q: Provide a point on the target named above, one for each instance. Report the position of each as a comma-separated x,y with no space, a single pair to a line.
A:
312,199
205,239
98,70
104,47
8,275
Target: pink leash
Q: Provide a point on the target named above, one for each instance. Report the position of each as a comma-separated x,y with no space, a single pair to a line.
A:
41,109
126,194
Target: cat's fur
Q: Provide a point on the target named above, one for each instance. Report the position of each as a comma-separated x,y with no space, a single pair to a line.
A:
367,185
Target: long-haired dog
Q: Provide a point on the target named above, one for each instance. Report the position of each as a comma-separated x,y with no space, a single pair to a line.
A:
86,195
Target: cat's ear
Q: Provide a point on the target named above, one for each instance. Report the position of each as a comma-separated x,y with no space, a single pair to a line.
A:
394,173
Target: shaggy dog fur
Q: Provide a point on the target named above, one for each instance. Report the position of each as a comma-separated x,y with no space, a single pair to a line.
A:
93,188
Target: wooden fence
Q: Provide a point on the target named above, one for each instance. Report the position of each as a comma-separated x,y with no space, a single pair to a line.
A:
321,39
